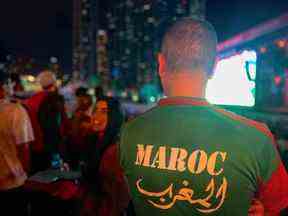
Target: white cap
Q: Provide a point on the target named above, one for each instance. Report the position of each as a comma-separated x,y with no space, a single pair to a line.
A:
46,78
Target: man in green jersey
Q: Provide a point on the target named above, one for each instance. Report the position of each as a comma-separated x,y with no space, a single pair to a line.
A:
187,157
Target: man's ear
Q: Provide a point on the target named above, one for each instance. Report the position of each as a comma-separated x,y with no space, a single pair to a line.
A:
161,64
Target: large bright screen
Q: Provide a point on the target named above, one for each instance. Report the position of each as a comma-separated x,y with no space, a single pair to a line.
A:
233,82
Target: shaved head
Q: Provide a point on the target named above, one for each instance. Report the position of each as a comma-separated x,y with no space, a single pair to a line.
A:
188,45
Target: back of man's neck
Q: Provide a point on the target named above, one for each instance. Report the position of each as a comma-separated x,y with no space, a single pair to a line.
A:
186,88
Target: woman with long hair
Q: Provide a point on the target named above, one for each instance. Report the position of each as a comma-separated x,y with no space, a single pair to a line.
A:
105,185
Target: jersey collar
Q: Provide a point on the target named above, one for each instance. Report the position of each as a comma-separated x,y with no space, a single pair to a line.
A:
183,101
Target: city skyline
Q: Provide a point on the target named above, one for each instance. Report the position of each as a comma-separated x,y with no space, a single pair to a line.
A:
44,29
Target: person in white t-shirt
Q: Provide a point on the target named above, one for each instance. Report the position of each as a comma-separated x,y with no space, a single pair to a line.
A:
15,135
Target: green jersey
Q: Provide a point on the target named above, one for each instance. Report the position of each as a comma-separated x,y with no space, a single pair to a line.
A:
187,157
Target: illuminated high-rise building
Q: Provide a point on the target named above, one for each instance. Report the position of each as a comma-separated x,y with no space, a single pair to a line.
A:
84,36
134,32
103,71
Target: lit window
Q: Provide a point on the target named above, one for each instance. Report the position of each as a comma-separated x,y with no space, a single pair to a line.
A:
142,65
102,33
150,20
129,3
116,63
53,60
112,26
84,12
121,33
127,19
179,10
85,39
146,38
147,7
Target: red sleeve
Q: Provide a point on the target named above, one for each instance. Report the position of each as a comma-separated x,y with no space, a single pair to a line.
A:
110,166
274,193
114,182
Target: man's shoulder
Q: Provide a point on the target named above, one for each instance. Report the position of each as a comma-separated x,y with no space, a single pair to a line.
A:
140,119
18,110
10,107
259,127
11,111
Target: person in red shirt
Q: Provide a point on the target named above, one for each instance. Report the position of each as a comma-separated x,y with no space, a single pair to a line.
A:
47,80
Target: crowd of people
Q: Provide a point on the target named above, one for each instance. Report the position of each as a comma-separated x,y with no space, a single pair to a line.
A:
43,137
184,157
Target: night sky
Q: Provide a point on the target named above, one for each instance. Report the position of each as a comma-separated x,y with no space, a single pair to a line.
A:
41,28
37,28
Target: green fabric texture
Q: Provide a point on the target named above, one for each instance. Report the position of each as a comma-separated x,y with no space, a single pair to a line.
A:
194,160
